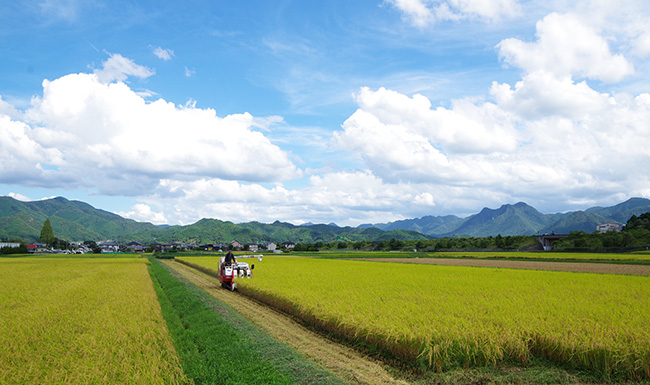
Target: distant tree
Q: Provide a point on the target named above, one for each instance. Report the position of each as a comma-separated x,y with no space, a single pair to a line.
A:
640,222
47,234
94,247
395,244
22,249
60,244
499,242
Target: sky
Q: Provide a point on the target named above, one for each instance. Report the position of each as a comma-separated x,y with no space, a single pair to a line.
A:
338,111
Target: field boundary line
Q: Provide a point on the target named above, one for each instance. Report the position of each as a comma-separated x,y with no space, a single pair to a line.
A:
575,267
344,362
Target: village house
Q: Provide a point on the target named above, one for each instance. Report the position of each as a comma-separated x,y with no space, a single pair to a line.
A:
9,244
288,245
269,246
109,247
610,226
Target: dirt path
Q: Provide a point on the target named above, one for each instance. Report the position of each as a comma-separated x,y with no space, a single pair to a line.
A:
602,268
347,364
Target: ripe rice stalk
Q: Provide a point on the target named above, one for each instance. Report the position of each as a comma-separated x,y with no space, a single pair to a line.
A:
82,320
447,316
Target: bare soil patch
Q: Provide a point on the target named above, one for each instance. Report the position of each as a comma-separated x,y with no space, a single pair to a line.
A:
346,363
578,267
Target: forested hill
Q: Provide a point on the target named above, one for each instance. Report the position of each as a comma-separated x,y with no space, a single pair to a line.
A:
79,221
519,219
71,220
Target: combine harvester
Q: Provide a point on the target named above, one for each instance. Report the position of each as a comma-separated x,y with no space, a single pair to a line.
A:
229,272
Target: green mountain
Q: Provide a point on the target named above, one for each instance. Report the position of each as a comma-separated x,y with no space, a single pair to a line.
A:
71,220
78,221
517,219
426,225
588,220
520,219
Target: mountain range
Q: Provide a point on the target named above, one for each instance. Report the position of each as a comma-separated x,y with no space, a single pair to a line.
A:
519,219
79,221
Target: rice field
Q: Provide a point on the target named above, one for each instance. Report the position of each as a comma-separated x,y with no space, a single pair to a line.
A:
444,317
82,320
636,256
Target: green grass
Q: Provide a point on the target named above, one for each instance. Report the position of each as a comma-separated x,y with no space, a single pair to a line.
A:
218,346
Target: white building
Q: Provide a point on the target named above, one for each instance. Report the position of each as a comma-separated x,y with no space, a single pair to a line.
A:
9,244
611,226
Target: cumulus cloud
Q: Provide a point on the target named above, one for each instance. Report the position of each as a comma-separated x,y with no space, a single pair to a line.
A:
541,94
566,46
165,54
403,138
422,13
143,213
106,137
545,139
348,198
20,197
525,143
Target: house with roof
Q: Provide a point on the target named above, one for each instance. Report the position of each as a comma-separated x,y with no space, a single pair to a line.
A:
269,246
135,247
288,245
610,226
253,247
109,247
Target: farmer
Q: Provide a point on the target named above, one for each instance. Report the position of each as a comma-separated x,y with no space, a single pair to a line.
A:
230,258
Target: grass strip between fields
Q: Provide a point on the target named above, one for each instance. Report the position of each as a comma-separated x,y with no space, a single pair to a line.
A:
217,345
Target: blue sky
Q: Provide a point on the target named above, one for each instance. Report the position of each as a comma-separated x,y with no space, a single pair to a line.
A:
324,111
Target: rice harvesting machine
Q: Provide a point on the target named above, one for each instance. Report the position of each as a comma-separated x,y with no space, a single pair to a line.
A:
229,272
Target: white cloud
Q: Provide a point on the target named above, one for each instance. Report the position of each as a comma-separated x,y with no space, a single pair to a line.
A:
106,137
165,54
415,11
566,46
22,157
20,197
541,94
9,110
348,198
402,138
189,72
528,146
118,68
422,13
143,213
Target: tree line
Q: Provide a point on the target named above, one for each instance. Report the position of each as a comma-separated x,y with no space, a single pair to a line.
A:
635,234
509,242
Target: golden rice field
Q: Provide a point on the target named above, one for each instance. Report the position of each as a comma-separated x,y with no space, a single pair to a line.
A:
636,256
449,316
82,321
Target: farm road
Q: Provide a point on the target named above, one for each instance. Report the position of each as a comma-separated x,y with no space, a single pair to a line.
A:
577,267
346,363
